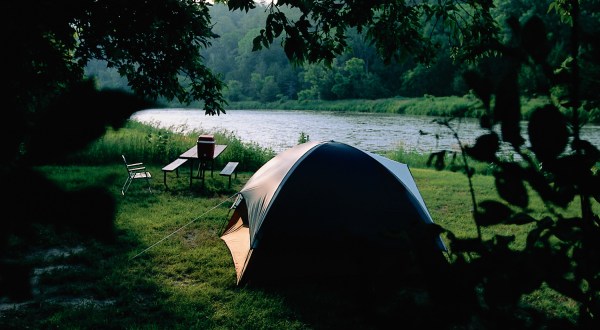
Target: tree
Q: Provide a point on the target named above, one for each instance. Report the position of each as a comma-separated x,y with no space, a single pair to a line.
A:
318,82
350,78
395,27
154,44
52,110
234,91
269,89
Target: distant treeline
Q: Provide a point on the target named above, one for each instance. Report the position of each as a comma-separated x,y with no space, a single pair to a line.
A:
442,106
266,79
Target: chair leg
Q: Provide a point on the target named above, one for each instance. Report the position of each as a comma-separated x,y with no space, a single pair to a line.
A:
126,186
130,180
149,186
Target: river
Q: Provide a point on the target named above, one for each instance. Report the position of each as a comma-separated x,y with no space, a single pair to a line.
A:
281,129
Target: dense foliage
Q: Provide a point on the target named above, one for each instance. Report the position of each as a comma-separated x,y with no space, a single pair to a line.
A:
487,277
52,110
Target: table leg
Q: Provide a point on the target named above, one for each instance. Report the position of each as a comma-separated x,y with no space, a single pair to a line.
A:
191,171
201,168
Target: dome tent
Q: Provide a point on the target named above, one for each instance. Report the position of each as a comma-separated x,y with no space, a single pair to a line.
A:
326,208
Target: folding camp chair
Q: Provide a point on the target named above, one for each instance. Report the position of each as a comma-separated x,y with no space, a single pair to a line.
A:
135,171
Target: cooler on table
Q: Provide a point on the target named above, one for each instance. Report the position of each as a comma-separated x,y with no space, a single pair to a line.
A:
206,146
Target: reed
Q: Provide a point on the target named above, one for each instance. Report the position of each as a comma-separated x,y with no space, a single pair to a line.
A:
152,145
427,106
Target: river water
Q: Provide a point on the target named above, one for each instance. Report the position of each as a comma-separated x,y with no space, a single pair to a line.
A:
281,129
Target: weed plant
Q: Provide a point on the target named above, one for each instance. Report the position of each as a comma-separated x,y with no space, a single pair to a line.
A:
144,142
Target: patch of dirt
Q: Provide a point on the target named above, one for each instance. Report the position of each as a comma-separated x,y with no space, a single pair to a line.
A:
49,262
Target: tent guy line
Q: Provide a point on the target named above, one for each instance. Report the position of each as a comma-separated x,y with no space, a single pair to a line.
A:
180,228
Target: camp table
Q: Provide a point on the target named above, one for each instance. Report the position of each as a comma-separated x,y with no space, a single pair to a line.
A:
192,154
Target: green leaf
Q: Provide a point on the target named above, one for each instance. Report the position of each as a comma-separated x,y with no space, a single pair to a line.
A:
246,5
508,108
459,245
569,230
492,213
257,43
534,40
510,185
485,121
503,241
593,187
277,29
520,219
470,171
567,173
541,185
566,287
439,158
590,154
485,148
266,42
544,120
481,86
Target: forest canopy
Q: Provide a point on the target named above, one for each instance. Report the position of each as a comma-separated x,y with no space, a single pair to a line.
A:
360,71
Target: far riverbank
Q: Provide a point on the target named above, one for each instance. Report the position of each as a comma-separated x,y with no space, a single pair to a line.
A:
467,106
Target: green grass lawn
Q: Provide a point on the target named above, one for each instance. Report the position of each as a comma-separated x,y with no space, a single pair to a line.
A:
168,268
154,260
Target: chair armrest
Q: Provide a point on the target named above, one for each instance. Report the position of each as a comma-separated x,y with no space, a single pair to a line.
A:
136,164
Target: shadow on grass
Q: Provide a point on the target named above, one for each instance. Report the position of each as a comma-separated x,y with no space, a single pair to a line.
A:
62,261
389,291
32,201
413,291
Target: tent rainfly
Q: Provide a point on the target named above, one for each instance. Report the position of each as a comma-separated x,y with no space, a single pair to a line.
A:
326,208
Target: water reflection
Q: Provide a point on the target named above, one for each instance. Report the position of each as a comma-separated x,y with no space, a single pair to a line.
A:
280,129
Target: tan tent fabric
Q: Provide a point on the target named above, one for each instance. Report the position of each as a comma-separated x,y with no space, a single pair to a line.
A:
237,239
